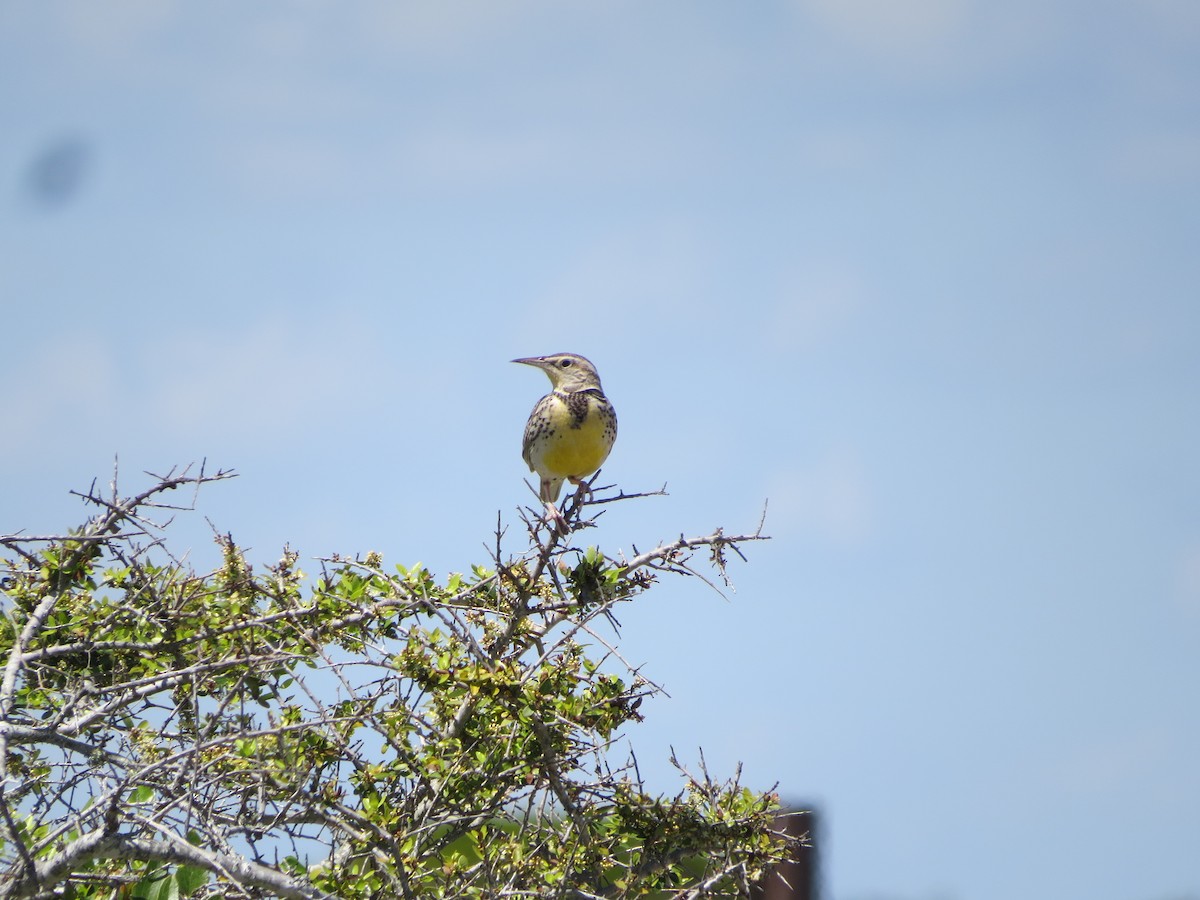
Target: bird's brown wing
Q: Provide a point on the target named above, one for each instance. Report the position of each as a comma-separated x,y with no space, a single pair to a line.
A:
539,422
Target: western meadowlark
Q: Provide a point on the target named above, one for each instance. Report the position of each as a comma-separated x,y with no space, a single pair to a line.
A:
571,429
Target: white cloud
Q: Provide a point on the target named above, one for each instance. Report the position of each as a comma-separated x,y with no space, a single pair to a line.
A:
444,29
944,42
899,29
115,29
459,160
274,164
261,381
257,383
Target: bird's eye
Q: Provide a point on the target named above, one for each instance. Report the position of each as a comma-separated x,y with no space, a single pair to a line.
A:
564,364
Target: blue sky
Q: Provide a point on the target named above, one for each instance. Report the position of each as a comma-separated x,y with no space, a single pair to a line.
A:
925,278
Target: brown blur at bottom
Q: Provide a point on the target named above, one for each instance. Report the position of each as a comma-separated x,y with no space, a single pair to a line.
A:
796,879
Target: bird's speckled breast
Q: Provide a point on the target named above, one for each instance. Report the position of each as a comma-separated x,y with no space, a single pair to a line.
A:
580,431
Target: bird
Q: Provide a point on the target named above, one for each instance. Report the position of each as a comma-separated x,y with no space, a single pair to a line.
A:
571,430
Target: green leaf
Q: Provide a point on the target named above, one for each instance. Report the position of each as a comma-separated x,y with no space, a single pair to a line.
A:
190,879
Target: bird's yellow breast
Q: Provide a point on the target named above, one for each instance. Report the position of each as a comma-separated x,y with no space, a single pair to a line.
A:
570,448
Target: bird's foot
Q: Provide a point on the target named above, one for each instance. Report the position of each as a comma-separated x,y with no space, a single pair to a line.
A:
556,519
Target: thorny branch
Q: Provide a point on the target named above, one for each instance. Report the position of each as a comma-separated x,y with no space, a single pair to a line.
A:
333,738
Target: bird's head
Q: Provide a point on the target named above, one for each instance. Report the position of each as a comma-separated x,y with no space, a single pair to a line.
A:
568,372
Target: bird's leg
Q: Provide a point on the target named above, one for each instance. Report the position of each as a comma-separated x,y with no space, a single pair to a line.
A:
585,489
548,493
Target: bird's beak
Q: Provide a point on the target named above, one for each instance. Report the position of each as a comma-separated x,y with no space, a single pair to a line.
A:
529,361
